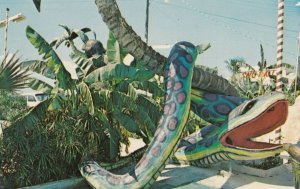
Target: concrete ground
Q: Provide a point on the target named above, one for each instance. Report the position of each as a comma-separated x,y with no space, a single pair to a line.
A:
189,177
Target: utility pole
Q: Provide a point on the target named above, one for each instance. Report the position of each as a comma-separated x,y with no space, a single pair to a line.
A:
4,23
147,20
6,34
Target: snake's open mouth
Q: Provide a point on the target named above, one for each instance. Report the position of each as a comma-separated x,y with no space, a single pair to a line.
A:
241,136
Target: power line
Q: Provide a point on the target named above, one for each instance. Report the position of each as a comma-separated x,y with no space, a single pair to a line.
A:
211,15
191,8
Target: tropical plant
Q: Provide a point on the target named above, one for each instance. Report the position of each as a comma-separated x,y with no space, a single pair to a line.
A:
11,105
89,115
11,76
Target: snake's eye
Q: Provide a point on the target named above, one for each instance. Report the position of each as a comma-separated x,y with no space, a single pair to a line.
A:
249,106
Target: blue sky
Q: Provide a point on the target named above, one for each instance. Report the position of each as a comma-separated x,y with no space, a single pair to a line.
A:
234,28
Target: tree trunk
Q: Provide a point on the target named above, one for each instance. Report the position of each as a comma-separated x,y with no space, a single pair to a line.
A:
154,61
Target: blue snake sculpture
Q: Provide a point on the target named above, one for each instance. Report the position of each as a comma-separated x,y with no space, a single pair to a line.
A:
235,122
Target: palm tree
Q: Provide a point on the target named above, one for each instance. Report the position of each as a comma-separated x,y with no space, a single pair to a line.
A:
233,65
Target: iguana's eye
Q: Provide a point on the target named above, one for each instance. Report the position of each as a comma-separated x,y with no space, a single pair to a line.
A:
249,106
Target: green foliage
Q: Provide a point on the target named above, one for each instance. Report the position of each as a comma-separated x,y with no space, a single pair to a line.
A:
90,115
11,105
52,149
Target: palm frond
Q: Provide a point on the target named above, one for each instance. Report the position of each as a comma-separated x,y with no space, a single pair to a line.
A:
12,77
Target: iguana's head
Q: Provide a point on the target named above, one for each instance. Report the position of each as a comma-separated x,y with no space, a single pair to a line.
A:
253,119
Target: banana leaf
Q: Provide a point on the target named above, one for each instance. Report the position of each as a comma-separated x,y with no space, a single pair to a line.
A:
85,94
127,122
49,55
39,67
115,53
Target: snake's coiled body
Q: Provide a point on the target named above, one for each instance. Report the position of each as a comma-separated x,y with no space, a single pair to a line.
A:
177,81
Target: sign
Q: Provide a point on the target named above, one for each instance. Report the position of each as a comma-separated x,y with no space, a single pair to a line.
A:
254,74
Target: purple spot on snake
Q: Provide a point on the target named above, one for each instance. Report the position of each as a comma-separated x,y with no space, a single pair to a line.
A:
205,113
189,58
156,150
102,172
207,130
223,109
128,179
172,108
210,141
142,163
210,97
172,125
112,179
170,84
178,85
166,109
160,135
181,97
183,72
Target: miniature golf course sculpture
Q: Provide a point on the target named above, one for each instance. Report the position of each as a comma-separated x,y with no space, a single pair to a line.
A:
235,122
